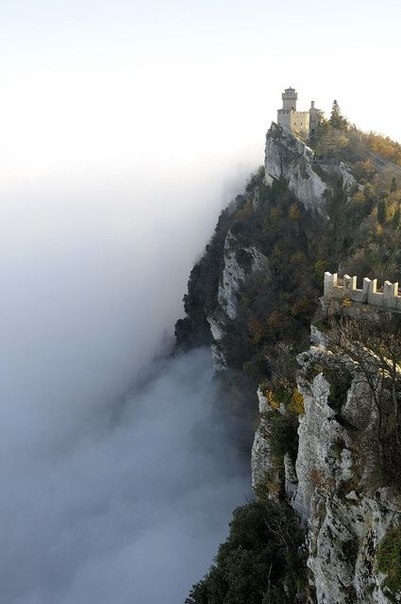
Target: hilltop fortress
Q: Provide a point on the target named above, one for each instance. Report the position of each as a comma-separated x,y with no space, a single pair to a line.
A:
301,123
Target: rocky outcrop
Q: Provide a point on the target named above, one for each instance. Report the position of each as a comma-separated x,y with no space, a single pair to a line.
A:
287,157
232,279
265,478
239,264
235,273
336,486
338,496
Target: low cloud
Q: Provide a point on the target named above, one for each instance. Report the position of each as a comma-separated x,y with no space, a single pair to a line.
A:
105,497
132,512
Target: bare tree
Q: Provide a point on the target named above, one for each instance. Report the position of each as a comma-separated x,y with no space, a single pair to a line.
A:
373,344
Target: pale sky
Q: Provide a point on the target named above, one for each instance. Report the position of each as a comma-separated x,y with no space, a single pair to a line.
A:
110,87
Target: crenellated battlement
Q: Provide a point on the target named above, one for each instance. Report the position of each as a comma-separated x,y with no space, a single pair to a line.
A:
345,289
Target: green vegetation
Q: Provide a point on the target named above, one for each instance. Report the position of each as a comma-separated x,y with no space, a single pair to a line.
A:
273,305
259,563
364,230
203,283
284,437
388,557
337,138
339,380
337,121
361,234
276,304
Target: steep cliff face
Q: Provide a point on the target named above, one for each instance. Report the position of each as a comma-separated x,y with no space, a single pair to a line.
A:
240,263
264,471
337,486
315,447
289,158
337,489
339,496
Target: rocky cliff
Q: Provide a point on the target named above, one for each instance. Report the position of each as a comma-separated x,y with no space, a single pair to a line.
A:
289,158
337,488
341,496
257,291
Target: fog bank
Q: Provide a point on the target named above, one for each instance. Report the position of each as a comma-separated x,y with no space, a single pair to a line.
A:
133,511
105,498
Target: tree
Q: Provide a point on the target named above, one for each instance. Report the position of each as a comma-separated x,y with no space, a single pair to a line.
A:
336,119
374,346
259,563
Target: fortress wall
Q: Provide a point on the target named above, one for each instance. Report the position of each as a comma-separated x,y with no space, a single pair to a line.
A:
346,288
300,122
284,118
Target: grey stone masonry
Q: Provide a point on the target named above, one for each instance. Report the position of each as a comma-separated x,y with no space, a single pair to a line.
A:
336,288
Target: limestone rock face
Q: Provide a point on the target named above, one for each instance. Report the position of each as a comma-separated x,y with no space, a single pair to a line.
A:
233,278
343,536
335,485
262,463
345,515
234,275
286,156
239,264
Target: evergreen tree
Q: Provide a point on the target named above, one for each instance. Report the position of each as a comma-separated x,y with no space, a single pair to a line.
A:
260,562
336,119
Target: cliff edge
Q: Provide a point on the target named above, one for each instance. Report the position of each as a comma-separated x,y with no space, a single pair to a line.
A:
321,443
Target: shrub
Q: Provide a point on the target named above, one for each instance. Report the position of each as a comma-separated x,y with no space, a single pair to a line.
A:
259,562
339,380
388,557
284,435
297,403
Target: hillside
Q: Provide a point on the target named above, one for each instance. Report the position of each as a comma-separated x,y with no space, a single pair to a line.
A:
327,428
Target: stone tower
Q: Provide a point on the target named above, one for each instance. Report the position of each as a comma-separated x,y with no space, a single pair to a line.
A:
289,97
301,123
284,115
315,117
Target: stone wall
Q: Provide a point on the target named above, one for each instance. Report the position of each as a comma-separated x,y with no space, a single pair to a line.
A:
294,121
345,290
300,123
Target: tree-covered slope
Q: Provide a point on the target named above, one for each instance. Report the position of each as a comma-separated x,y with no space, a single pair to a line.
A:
255,292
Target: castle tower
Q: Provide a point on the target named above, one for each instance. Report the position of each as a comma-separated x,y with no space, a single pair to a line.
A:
290,97
300,123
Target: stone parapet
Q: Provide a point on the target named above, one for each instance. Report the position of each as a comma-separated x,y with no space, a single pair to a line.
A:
345,288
